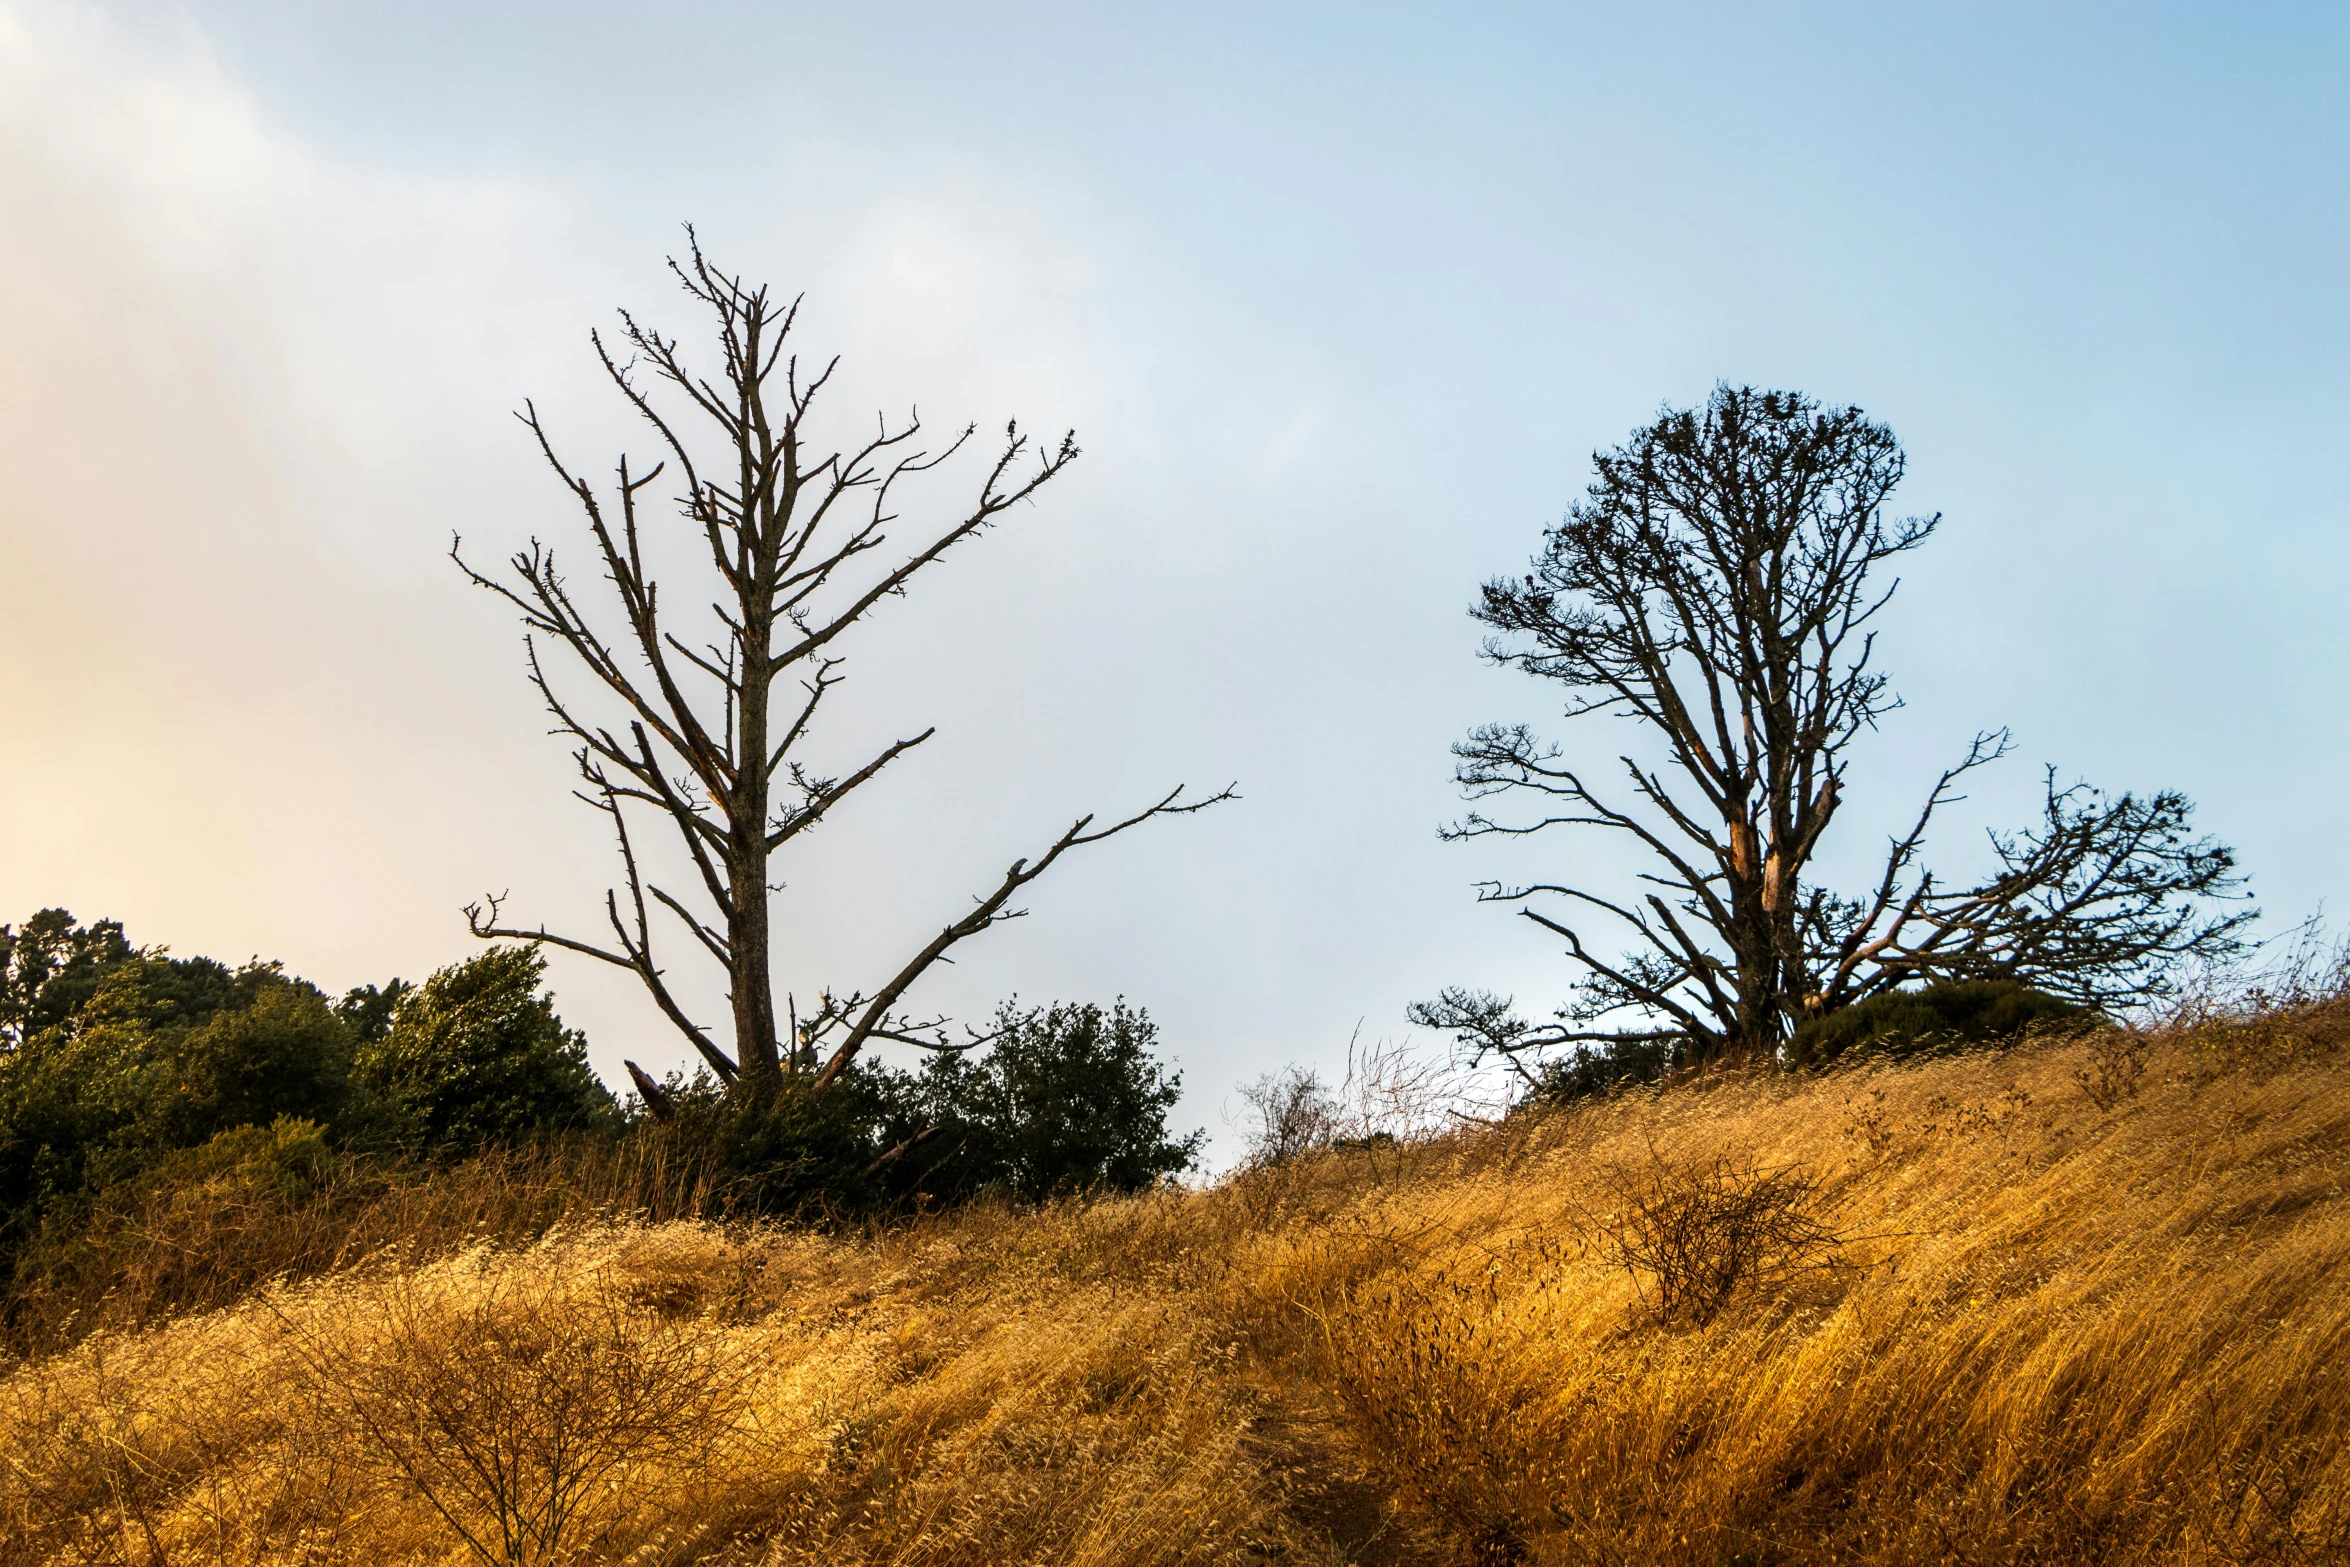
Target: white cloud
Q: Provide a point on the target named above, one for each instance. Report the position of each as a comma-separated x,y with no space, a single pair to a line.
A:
256,387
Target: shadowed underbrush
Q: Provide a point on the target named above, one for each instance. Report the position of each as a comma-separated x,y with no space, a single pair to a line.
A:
2076,1301
215,1223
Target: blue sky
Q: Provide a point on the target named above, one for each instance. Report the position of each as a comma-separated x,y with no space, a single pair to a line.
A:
1340,299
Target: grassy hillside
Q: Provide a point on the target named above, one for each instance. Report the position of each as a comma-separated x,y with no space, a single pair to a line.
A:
2075,1302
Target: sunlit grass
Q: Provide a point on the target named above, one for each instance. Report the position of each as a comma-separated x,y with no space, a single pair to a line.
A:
2027,1306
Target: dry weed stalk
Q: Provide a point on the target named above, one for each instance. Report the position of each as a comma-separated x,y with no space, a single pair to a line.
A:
2286,1007
2116,1066
1295,1115
1692,1234
1397,1094
521,1402
1393,1099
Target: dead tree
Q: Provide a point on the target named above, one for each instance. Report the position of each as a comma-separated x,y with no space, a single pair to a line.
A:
703,730
1717,585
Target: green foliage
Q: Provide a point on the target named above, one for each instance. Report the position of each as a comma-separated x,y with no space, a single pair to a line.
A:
279,1053
366,1010
1896,1023
1068,1098
51,966
783,1153
140,1091
1903,1022
289,1159
163,1233
285,1162
1592,1070
164,1054
121,1067
474,1055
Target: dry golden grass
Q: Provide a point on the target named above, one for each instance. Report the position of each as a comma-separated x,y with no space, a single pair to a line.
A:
204,1238
2078,1302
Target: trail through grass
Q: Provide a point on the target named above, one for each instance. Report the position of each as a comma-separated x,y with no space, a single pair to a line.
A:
2047,1305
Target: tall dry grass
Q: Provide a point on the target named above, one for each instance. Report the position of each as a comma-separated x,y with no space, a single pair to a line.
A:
2081,1301
262,1204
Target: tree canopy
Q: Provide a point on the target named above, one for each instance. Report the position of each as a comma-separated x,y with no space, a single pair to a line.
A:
476,1055
121,1057
1718,585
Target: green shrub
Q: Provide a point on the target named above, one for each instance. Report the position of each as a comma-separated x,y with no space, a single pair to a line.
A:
162,1055
1590,1071
139,1090
121,1067
1068,1098
1903,1022
782,1154
476,1055
1899,1022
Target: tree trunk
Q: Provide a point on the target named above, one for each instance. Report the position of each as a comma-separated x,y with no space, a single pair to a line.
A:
752,976
784,545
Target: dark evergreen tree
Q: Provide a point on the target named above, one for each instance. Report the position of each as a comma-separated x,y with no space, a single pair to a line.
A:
476,1055
49,967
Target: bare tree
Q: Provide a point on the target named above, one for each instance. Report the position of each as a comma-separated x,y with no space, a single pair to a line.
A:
707,727
1716,585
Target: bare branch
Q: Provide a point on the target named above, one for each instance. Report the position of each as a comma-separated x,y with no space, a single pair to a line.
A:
1719,584
990,910
681,724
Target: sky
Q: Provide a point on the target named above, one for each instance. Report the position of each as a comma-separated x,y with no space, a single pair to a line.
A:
1339,300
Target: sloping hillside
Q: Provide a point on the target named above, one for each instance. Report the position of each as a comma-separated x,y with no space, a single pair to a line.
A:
2075,1302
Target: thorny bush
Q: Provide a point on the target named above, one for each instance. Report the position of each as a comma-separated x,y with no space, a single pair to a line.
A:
1691,1235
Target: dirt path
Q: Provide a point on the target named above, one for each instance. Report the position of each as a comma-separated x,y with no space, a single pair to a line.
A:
1333,1496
